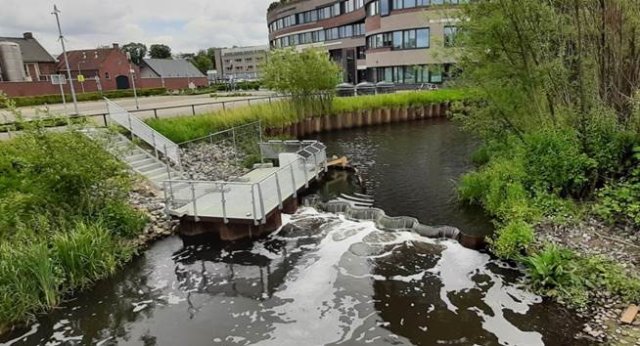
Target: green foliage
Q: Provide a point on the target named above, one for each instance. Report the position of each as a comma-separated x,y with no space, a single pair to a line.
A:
512,240
159,51
620,201
562,273
281,113
88,96
202,61
308,77
137,51
64,218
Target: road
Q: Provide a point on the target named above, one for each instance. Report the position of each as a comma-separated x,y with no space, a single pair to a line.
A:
99,107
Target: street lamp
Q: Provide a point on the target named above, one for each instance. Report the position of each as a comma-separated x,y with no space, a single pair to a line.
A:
133,80
66,60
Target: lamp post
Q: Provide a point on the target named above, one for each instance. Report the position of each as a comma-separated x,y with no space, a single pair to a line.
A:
66,59
133,80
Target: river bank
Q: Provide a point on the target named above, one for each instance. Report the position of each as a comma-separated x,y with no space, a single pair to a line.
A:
618,244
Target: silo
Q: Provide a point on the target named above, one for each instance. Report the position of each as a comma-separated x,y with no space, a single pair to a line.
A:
11,61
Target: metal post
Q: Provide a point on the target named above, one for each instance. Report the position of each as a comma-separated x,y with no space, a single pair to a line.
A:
315,164
66,60
166,162
166,198
193,109
264,215
260,139
304,169
235,146
153,140
130,127
269,99
249,102
279,192
224,204
104,117
293,180
224,108
155,113
195,205
253,205
64,99
210,138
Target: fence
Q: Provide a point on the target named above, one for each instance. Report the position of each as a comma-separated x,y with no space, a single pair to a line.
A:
138,128
229,199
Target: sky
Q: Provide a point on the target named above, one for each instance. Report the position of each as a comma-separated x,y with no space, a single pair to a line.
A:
183,25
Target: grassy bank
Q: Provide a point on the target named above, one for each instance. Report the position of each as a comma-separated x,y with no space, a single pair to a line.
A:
89,96
280,113
546,175
65,220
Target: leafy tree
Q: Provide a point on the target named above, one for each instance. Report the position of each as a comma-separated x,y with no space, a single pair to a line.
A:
160,51
137,51
309,77
201,60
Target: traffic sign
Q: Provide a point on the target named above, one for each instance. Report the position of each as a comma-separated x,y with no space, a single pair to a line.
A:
80,78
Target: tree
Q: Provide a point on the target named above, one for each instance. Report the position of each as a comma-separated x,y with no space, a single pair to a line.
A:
137,51
159,51
203,61
309,77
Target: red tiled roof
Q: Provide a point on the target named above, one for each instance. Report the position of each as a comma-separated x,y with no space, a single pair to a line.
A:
89,59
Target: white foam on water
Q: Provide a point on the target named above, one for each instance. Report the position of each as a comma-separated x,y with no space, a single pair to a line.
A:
313,311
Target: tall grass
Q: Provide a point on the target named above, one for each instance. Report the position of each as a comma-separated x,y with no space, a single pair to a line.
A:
36,273
185,128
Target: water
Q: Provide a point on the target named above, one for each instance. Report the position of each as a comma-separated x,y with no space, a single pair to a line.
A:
323,280
412,168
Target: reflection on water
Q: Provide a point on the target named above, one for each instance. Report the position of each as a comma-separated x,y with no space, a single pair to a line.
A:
325,280
411,169
321,280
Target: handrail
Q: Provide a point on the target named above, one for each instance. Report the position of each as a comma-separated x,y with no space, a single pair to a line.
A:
257,204
140,129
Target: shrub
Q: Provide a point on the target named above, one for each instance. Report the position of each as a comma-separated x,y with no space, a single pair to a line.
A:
90,96
512,240
121,219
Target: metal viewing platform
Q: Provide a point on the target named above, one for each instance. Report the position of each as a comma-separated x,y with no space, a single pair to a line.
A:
255,197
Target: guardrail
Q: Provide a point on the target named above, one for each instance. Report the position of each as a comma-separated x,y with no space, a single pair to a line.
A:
310,162
140,129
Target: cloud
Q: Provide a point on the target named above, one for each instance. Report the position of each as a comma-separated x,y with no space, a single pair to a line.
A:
184,25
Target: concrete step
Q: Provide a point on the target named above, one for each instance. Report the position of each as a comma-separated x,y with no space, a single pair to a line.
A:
150,167
136,158
146,161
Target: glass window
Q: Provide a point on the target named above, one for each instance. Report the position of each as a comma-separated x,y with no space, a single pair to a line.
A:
409,39
450,35
436,76
349,6
336,10
398,4
397,40
409,75
387,39
409,3
359,3
388,74
422,40
384,7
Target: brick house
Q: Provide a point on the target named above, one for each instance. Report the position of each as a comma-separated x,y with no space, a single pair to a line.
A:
109,65
38,63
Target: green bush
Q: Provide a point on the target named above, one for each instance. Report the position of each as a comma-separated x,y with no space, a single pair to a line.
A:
119,218
512,240
560,272
89,96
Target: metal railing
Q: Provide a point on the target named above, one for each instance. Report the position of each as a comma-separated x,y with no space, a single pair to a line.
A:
269,192
140,129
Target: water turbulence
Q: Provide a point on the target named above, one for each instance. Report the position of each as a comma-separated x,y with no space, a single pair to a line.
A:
321,279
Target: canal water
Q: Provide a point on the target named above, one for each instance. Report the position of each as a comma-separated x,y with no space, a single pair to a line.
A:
324,280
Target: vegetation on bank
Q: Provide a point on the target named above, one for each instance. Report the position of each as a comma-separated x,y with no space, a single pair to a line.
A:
65,219
88,96
560,119
281,113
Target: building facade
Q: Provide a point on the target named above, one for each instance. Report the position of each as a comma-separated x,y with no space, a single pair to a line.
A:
400,41
34,62
240,63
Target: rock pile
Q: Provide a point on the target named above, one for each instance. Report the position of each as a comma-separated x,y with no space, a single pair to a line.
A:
148,200
212,161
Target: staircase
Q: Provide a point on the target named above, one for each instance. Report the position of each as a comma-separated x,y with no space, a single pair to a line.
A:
138,159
